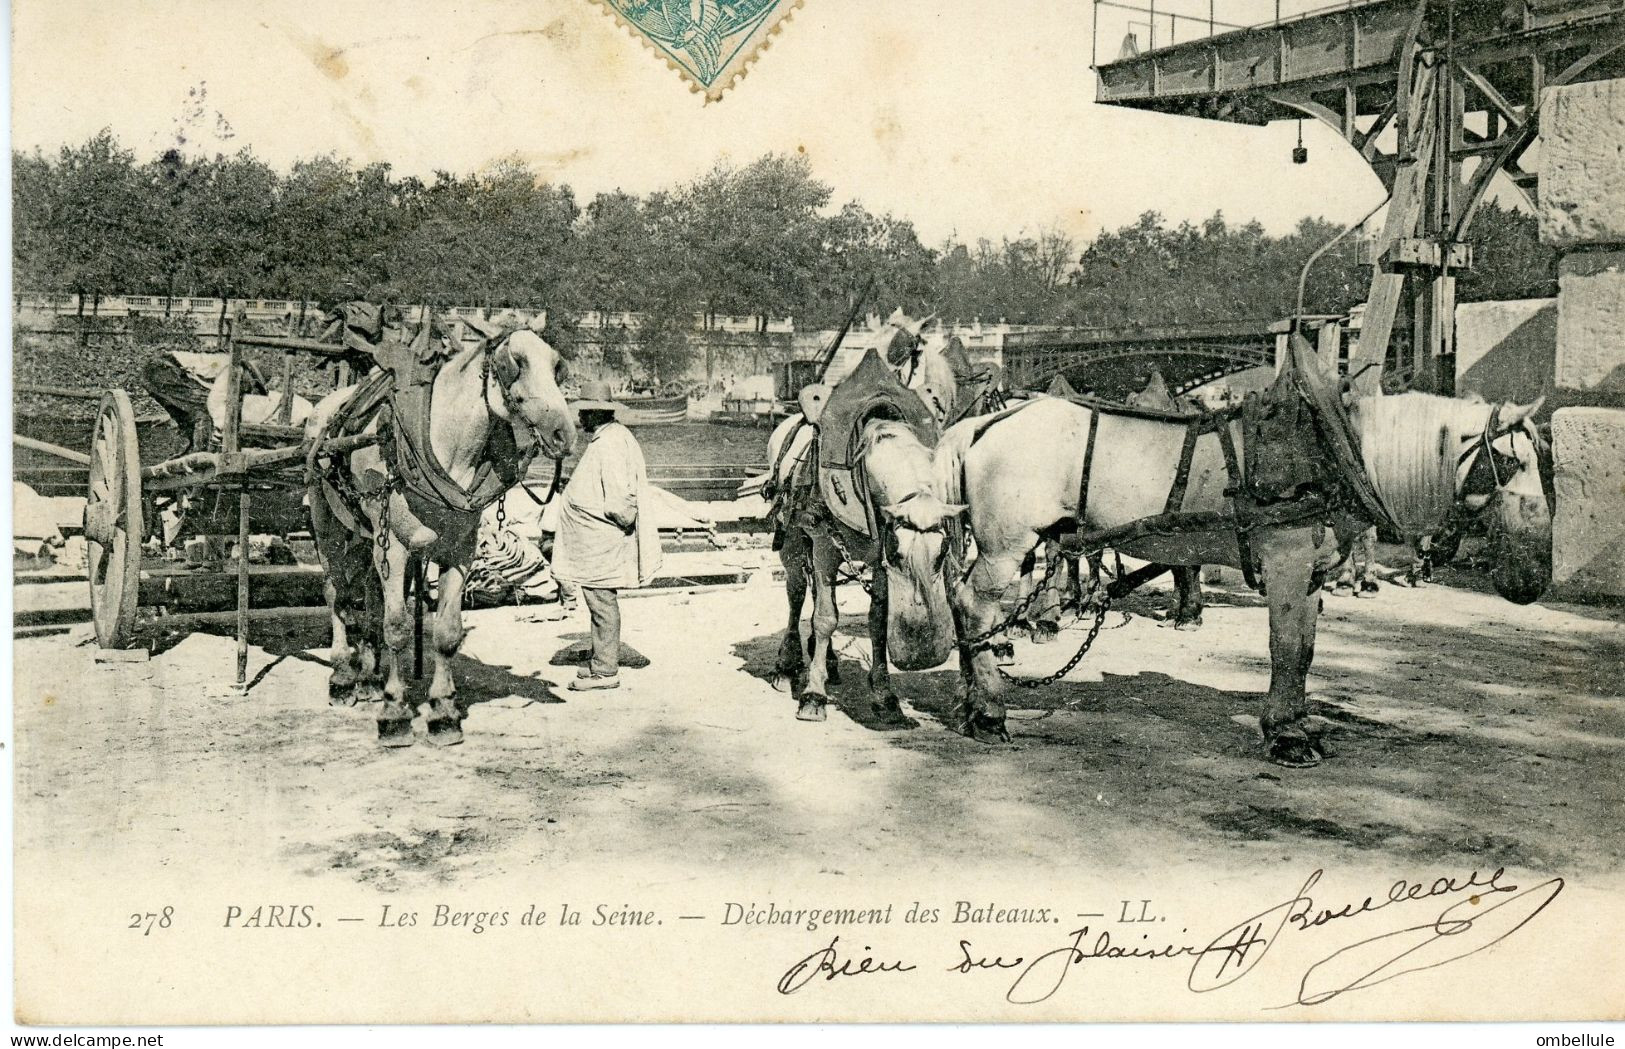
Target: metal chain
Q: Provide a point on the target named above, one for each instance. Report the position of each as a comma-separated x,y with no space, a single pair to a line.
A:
1021,609
1077,657
383,531
847,558
1049,574
502,512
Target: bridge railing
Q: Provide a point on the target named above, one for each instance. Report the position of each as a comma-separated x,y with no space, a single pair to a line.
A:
1125,30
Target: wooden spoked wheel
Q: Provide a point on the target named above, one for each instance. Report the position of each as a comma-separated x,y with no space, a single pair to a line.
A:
113,523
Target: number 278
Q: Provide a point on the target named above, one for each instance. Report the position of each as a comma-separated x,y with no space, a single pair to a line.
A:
151,920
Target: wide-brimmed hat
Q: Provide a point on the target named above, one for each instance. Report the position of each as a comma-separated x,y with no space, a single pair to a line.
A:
595,396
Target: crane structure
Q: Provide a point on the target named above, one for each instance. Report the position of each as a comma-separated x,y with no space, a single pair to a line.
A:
1439,96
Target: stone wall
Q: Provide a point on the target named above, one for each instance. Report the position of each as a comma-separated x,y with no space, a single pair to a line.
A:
1582,212
1506,350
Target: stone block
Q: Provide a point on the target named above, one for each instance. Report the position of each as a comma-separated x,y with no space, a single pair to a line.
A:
1591,324
1506,350
1588,528
1582,156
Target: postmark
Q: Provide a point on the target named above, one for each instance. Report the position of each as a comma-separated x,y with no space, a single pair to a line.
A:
709,43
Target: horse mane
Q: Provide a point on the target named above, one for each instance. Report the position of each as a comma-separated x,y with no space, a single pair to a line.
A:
948,462
882,429
1409,442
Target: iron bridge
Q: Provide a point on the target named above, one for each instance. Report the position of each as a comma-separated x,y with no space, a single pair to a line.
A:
1117,362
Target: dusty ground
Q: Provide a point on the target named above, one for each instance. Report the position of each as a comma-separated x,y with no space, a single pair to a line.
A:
1464,728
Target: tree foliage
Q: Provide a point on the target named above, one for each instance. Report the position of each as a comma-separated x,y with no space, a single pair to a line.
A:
764,238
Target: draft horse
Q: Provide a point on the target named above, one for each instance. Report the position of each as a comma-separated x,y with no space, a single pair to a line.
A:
416,497
1027,473
881,510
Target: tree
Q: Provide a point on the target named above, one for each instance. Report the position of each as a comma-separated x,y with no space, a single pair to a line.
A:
1509,260
755,235
860,247
229,216
89,220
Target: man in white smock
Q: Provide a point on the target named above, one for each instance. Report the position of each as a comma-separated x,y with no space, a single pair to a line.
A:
603,543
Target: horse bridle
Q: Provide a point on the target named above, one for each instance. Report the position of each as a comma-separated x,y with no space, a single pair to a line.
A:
508,404
1481,449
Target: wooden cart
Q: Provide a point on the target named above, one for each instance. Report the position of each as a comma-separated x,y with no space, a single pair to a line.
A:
251,483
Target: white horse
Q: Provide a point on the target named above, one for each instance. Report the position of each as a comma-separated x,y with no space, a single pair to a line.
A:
1425,455
511,384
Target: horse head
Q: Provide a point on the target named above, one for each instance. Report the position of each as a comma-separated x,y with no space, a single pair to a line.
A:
527,371
1432,459
912,522
920,360
1499,476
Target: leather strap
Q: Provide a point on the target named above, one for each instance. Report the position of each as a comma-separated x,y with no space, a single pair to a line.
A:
1239,506
1182,476
1088,464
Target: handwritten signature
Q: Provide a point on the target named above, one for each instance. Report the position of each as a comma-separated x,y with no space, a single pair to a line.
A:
1488,913
828,963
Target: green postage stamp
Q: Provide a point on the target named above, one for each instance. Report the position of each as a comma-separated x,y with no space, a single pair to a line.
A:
710,43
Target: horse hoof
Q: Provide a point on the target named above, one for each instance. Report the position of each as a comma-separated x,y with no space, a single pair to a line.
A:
784,681
1188,624
1294,750
445,732
341,695
984,728
1042,635
395,732
810,709
1004,652
888,709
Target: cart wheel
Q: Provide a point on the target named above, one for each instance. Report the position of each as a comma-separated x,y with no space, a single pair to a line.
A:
113,523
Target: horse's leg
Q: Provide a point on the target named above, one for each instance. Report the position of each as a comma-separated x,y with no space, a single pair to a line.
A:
1289,559
445,716
977,603
1421,562
881,696
1045,618
832,659
1076,587
333,546
1188,584
793,556
366,629
1086,593
1366,578
395,715
341,655
825,561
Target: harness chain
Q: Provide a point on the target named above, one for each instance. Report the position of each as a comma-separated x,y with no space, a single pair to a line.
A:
847,558
1077,657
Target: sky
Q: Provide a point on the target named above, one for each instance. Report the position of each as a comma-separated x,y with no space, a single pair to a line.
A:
973,119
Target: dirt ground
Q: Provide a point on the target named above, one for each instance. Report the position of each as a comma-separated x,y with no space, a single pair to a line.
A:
1461,728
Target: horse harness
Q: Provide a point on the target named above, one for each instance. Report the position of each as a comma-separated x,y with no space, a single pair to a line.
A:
1481,450
1299,462
397,396
828,482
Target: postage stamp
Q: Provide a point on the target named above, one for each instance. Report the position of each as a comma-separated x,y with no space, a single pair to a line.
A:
709,43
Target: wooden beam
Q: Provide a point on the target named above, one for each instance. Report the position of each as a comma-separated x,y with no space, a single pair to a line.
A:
1514,115
1366,142
51,449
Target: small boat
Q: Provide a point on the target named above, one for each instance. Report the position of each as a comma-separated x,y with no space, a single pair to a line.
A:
654,411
